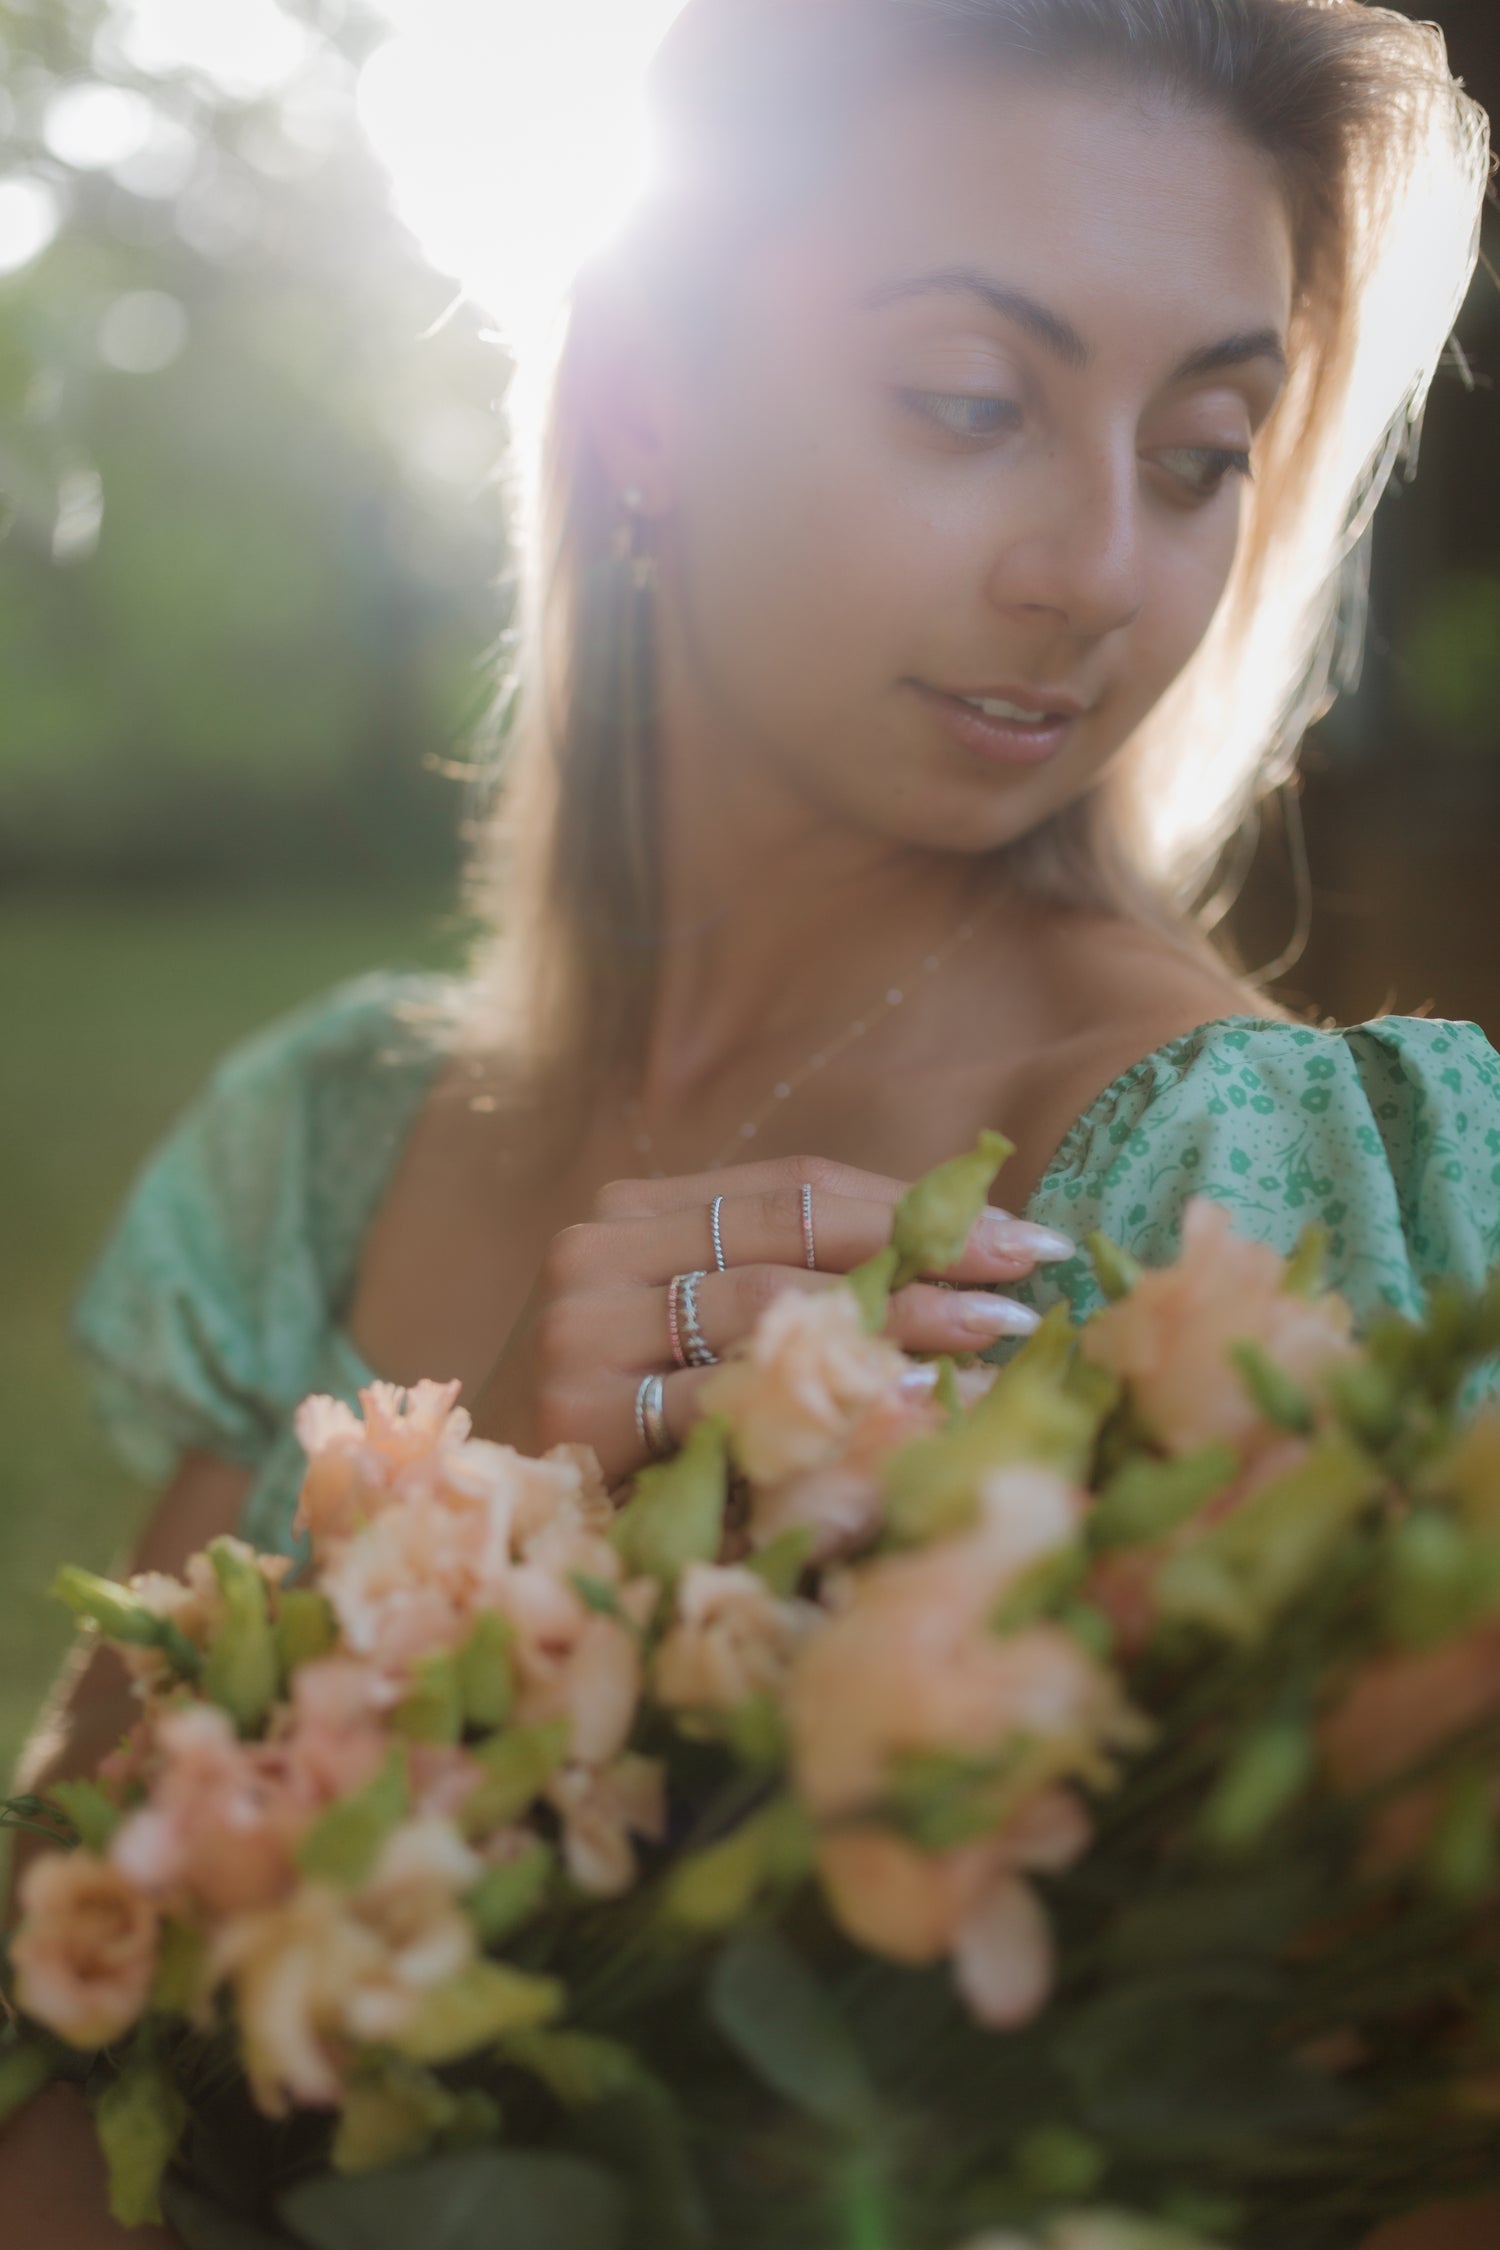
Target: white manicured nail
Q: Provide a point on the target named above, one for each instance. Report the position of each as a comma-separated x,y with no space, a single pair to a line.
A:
995,1316
1006,1237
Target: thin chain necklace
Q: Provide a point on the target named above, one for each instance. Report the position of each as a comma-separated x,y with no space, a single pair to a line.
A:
926,965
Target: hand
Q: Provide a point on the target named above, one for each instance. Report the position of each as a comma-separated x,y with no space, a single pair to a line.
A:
597,1320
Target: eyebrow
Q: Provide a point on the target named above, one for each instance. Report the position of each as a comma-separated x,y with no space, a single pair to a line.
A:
1059,336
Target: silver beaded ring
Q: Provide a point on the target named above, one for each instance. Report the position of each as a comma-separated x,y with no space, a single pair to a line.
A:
685,1286
808,1245
714,1209
650,1418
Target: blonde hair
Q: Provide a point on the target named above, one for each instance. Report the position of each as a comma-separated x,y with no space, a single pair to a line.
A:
1384,161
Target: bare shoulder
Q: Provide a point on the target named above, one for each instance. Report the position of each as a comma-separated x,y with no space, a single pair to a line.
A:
1117,994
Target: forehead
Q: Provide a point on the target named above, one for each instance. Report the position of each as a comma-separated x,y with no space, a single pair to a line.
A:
1124,210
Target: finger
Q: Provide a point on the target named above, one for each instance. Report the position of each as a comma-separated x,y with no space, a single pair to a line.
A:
923,1317
615,1433
768,1228
686,1191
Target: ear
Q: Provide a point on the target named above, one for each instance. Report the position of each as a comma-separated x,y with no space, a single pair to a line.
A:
628,407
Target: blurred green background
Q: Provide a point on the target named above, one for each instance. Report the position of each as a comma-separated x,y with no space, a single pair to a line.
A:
252,559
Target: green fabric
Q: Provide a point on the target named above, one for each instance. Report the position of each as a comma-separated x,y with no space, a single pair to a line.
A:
218,1300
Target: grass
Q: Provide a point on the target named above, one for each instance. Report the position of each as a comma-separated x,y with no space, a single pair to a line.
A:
113,1010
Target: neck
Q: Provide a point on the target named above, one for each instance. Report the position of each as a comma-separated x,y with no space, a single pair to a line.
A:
780,923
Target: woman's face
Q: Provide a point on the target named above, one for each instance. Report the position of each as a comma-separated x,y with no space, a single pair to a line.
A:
977,428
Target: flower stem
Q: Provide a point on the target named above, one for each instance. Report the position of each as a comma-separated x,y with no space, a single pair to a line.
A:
866,2208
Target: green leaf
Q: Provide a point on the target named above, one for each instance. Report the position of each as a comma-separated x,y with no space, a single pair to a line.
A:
778,2018
306,1627
1148,1498
1056,2161
398,2110
578,2067
432,1709
92,1816
871,1285
541,2201
1244,1571
179,1968
781,1564
486,1678
474,2009
518,1763
1277,1396
26,2066
200,2223
242,1669
936,1215
1264,1775
716,1887
1439,1578
1461,1862
121,1617
344,1842
139,2120
1366,1400
676,1513
505,1897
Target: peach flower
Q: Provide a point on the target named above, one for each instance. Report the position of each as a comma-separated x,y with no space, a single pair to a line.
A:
843,1501
85,1952
220,1826
601,1809
731,1639
911,1663
1171,1337
970,1903
328,1967
796,1388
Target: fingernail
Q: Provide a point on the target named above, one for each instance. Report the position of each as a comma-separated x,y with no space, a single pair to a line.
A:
998,1232
995,1316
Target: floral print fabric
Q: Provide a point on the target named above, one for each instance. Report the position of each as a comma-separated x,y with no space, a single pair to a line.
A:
217,1302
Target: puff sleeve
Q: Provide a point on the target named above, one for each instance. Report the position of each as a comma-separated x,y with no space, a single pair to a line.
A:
1388,1132
208,1309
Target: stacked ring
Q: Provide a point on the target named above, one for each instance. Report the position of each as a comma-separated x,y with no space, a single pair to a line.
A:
650,1418
682,1319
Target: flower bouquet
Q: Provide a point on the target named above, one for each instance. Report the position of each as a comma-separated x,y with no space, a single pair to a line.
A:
940,1806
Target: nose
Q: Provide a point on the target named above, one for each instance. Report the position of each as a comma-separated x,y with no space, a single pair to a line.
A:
1073,547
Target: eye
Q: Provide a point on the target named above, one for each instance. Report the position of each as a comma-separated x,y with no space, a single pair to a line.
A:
963,414
1204,469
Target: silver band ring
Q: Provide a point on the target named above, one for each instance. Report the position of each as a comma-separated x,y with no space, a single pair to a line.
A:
809,1247
684,1288
650,1418
674,1325
714,1210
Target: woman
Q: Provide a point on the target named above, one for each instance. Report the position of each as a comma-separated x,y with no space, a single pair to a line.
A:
941,520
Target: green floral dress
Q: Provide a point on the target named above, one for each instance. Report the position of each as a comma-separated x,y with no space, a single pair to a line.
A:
218,1300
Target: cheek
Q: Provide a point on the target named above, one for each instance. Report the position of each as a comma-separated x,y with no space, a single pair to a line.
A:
790,533
1190,572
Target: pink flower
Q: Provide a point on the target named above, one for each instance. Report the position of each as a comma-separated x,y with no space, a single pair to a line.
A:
970,1903
795,1390
356,1466
406,1585
85,1952
573,1662
194,1603
220,1826
911,1663
1171,1337
731,1639
601,1809
843,1501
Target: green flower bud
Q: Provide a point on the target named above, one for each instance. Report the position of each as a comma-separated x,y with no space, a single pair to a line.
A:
241,1671
306,1627
120,1616
781,1564
871,1284
1148,1498
518,1764
91,1815
139,2120
676,1513
486,1678
1307,1268
715,1888
474,2009
936,1215
1114,1269
1282,1400
432,1709
344,1842
1262,1778
505,1897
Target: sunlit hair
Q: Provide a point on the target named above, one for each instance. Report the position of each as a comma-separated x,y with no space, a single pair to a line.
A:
1383,161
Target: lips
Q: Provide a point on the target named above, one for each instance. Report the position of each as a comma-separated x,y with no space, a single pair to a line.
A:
1029,702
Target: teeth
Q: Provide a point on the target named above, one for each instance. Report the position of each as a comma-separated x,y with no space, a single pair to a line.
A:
994,708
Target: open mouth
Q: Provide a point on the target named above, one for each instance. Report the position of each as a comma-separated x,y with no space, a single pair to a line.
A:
999,728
